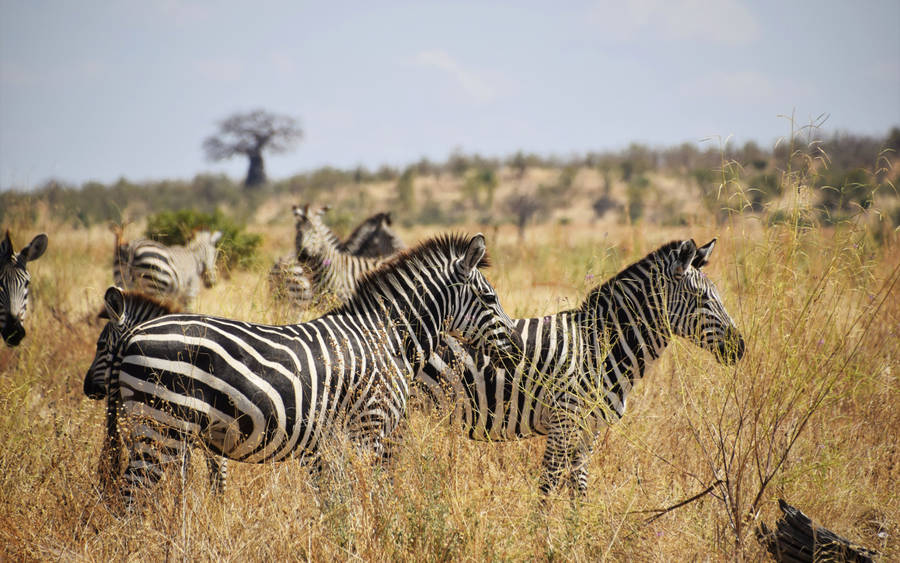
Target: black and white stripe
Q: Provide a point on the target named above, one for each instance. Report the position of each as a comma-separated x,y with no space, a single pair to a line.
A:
579,366
14,280
292,280
170,272
259,393
124,311
333,273
373,238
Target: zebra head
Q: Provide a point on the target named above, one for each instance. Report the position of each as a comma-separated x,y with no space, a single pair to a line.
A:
478,315
14,279
694,306
313,237
203,247
125,310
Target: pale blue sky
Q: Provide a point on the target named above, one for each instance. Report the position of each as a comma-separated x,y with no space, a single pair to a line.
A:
99,90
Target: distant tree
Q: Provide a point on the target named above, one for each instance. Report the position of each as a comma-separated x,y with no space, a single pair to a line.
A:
523,207
249,134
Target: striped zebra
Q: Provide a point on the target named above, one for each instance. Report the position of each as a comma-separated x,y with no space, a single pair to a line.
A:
124,311
333,273
291,281
373,238
258,393
170,272
14,280
578,366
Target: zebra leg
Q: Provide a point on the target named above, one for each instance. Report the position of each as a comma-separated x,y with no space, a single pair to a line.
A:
218,473
560,453
151,452
111,454
579,476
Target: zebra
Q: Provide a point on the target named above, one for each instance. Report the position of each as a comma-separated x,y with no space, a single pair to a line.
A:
124,311
333,273
171,272
14,280
258,393
373,238
289,280
578,366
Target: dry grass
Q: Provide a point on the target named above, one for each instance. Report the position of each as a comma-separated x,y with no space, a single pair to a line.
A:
812,411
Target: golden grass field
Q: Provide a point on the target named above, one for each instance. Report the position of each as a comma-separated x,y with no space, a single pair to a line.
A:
811,414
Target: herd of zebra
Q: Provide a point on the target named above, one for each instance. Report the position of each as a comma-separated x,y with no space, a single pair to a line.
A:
400,320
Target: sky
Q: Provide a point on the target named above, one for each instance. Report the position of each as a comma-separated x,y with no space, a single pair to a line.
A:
99,90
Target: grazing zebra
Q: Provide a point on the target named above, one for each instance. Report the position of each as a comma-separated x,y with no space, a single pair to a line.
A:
258,393
125,310
14,279
289,280
578,366
171,272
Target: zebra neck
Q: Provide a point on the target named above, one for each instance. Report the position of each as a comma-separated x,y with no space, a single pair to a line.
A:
626,329
411,321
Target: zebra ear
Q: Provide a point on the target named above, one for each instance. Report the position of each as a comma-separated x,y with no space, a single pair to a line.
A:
387,219
6,250
300,212
115,304
702,257
215,237
684,255
474,254
35,249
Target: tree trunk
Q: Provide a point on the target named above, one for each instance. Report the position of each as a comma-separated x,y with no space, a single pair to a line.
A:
256,173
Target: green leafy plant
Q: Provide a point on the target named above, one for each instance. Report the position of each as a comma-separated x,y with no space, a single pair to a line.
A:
238,248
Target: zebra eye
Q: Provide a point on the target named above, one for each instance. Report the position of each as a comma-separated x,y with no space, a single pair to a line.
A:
489,298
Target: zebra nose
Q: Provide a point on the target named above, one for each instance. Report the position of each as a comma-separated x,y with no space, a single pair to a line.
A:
13,332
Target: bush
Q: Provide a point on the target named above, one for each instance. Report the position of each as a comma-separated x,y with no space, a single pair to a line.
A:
237,247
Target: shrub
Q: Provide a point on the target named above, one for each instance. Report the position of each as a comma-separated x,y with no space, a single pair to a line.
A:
237,247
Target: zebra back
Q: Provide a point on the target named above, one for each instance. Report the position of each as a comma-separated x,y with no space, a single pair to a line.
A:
14,282
170,272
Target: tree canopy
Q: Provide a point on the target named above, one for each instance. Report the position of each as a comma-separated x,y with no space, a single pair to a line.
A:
249,134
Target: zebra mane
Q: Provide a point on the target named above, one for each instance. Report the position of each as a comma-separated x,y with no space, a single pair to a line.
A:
447,244
627,273
135,299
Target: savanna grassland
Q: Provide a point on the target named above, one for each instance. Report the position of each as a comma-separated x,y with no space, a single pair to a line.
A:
811,413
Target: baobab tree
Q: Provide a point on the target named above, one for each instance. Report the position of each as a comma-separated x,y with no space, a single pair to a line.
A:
250,134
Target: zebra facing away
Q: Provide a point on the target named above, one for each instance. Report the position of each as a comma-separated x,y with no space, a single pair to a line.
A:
333,273
373,237
258,393
578,366
124,311
14,280
170,272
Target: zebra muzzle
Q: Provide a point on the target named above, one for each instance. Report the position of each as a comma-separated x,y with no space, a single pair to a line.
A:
13,332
